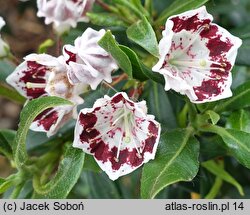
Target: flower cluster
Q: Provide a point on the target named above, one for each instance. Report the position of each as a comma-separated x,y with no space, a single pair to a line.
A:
45,75
196,57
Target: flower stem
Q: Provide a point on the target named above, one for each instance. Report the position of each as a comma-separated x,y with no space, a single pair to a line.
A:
182,117
215,189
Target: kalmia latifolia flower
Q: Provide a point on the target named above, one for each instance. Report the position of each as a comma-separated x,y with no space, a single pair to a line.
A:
88,62
64,13
4,48
118,133
44,75
196,56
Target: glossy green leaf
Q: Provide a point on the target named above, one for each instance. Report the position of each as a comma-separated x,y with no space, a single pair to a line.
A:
111,46
240,99
6,140
237,142
176,160
178,6
68,172
239,120
106,19
143,34
219,171
11,94
136,64
28,114
243,53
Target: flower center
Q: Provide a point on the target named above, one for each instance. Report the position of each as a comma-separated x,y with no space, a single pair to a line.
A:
126,119
30,85
181,57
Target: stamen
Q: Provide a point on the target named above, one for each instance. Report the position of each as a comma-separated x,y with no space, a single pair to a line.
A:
35,85
119,148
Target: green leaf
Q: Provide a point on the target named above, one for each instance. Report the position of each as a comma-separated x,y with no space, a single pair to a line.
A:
237,142
143,34
90,164
176,160
111,46
136,64
100,186
160,106
153,75
149,6
11,94
243,52
239,120
128,5
178,6
6,67
240,99
6,140
106,19
213,116
28,114
45,45
219,171
69,171
138,4
5,184
210,151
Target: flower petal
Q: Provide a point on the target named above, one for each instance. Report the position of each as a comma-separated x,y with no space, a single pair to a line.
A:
118,133
52,119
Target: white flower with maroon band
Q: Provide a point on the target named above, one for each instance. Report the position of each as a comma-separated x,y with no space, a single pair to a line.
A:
64,13
118,133
4,48
88,62
44,75
196,56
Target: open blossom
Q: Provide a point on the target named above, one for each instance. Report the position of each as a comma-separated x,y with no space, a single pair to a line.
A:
4,48
44,75
88,62
64,13
196,56
118,133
